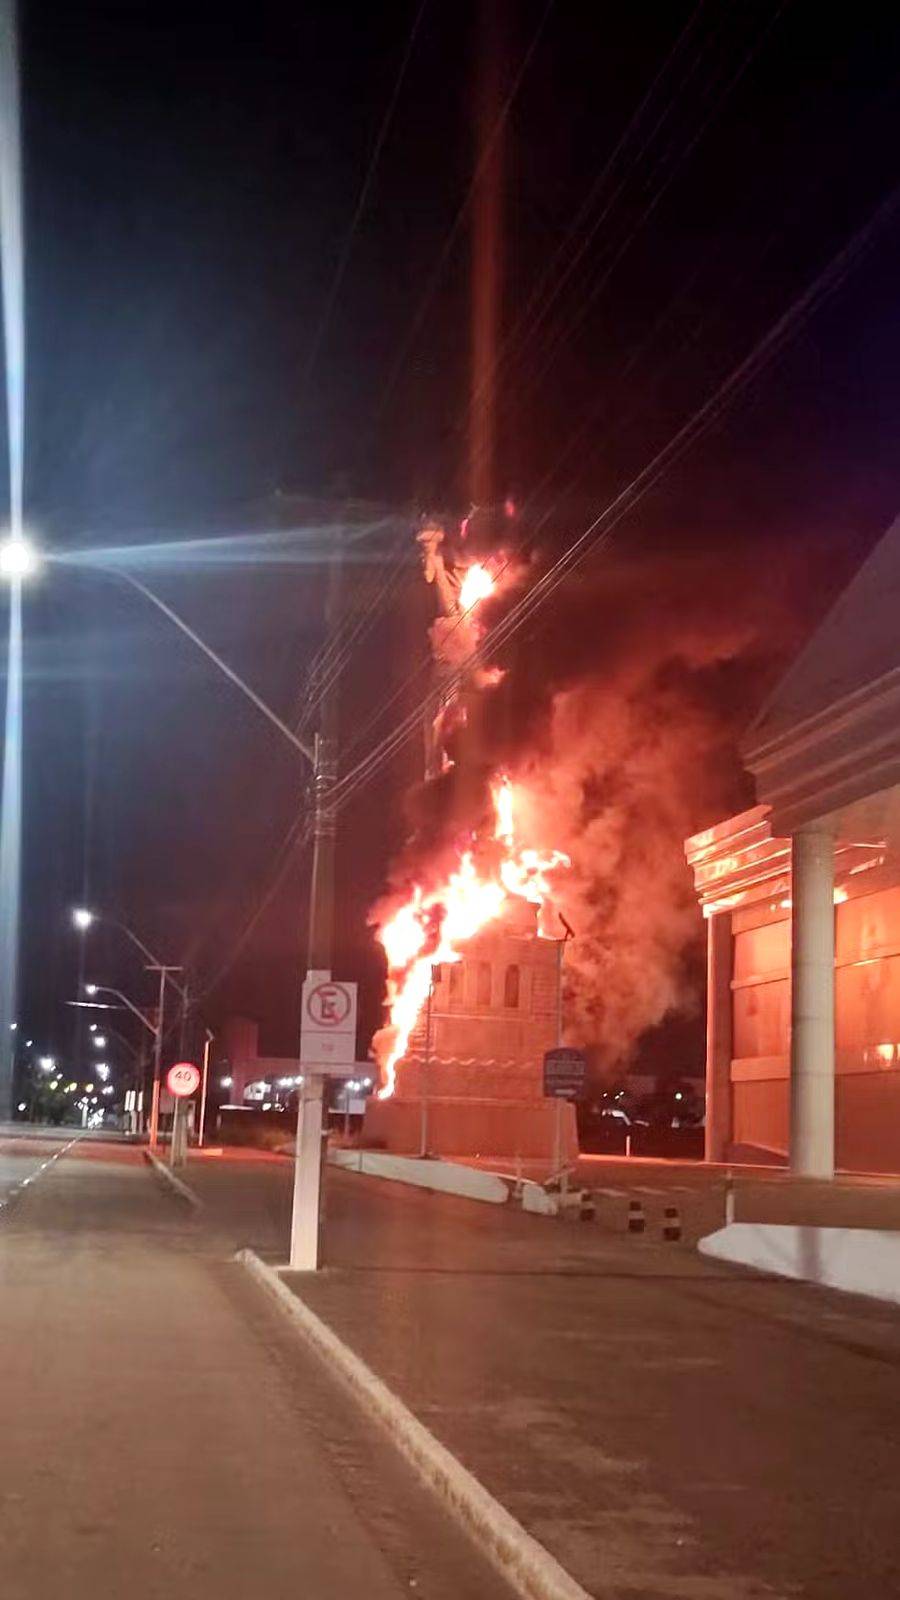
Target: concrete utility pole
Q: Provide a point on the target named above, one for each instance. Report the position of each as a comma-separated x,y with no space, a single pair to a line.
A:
164,972
308,1158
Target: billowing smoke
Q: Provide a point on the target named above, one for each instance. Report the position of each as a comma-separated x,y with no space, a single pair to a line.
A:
617,720
620,727
631,760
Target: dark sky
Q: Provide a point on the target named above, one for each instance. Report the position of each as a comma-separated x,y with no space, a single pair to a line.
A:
189,182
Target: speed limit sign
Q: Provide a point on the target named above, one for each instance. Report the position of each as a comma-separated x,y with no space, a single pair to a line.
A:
182,1079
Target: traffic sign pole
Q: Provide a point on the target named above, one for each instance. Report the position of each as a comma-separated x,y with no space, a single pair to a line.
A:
565,1071
304,1255
327,1047
182,1081
307,1175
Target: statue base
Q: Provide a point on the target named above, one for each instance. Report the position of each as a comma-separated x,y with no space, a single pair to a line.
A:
468,1127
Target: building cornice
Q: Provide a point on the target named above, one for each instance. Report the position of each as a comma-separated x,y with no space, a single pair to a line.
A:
829,760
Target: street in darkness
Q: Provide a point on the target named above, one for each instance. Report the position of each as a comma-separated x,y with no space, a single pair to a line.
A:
449,801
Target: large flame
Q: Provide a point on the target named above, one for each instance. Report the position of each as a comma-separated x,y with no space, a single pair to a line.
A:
476,585
430,926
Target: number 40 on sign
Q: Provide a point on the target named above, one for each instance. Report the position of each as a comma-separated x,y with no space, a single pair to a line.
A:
182,1079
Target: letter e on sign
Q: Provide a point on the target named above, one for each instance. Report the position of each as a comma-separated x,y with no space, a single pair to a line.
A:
328,1005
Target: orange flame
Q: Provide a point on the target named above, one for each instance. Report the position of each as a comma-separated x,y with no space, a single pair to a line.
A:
476,585
428,929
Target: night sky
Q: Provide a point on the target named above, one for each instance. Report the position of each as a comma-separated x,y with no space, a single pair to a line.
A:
189,182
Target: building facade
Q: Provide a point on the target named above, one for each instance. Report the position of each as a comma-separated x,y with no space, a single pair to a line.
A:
802,898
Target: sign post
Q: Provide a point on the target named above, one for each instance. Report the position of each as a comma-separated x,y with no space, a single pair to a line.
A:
182,1081
327,1048
565,1071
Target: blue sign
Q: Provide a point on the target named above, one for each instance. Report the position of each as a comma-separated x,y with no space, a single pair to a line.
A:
565,1072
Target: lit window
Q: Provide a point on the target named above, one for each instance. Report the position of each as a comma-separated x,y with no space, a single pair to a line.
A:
456,980
511,987
483,983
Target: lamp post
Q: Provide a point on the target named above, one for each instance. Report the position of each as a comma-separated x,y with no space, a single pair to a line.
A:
154,1028
204,1090
83,919
18,560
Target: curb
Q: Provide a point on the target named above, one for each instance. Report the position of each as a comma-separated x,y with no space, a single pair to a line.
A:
862,1261
443,1177
180,1188
531,1570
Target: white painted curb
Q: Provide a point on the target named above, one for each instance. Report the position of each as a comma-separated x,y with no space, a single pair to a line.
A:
444,1176
525,1564
23,1183
180,1188
857,1260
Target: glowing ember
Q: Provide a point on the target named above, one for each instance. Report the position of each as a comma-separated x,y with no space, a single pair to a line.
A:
430,926
476,585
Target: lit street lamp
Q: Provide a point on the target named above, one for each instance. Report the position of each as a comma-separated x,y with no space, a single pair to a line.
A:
83,918
18,558
154,1028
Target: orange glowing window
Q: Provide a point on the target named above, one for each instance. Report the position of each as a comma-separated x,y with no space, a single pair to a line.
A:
456,980
511,987
483,983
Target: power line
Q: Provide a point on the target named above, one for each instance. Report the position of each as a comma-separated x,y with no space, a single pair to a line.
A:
347,247
600,528
663,173
555,276
295,842
450,240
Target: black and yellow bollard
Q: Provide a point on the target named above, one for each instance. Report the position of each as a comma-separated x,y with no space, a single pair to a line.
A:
586,1208
636,1220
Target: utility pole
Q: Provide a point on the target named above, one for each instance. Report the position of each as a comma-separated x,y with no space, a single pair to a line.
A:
164,972
308,1157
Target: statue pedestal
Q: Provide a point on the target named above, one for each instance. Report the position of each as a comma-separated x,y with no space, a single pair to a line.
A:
466,1126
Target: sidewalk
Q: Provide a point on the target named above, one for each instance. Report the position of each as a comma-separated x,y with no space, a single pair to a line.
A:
164,1436
669,1429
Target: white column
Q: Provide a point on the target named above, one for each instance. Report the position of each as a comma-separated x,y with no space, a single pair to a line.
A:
812,1005
718,1036
307,1176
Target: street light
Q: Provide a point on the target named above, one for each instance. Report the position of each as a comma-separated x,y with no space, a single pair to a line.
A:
83,918
47,1064
18,558
99,1041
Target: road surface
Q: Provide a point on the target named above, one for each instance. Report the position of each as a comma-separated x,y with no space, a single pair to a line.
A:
24,1154
163,1433
670,1428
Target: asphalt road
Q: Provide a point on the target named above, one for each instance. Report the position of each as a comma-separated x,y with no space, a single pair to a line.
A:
666,1426
165,1435
24,1157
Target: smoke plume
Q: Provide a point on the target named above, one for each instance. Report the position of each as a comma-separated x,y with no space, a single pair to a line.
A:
620,730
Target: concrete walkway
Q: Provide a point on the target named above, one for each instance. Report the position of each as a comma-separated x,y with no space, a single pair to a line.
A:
163,1435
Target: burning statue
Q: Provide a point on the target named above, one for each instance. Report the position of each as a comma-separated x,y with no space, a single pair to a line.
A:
471,942
460,586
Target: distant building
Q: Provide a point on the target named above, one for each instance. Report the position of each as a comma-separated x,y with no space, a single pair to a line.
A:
802,896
